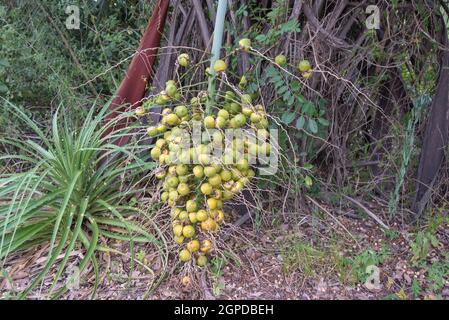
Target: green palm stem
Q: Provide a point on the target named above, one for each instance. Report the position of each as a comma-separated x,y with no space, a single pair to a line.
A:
216,47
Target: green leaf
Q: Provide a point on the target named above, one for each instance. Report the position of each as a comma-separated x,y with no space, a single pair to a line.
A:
301,99
290,26
313,126
434,241
323,122
4,63
286,96
291,100
308,166
261,38
271,72
288,117
277,80
282,90
300,122
295,86
3,88
308,181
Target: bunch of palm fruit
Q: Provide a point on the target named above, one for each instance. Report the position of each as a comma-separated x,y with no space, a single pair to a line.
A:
197,178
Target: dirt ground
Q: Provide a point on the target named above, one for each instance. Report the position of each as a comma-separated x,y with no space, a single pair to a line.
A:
308,257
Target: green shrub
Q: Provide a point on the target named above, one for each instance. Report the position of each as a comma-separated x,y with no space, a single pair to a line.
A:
75,188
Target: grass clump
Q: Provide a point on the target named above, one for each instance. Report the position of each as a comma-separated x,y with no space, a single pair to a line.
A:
72,190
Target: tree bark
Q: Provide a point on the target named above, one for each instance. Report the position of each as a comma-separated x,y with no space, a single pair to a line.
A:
436,136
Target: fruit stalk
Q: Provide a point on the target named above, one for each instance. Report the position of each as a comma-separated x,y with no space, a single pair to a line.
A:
216,47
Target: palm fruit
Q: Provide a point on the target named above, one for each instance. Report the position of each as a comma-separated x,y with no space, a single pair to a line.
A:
219,66
245,44
304,66
281,60
183,59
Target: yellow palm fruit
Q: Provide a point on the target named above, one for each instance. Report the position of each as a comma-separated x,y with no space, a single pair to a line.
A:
193,246
201,215
160,143
201,261
247,110
214,181
183,189
237,187
243,82
171,90
220,123
192,217
220,217
210,171
175,213
307,75
178,240
255,117
206,246
140,111
188,231
181,111
245,44
182,169
240,120
219,66
183,59
152,131
213,213
186,282
155,153
228,185
164,196
172,119
177,230
184,255
204,159
223,113
173,195
209,225
172,170
172,181
209,122
216,194
183,216
281,60
212,203
304,66
191,206
198,171
161,128
242,164
206,189
226,175
227,195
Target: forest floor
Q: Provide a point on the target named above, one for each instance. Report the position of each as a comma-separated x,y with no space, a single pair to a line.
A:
310,257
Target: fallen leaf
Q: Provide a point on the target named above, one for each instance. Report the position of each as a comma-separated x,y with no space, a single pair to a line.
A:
401,294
